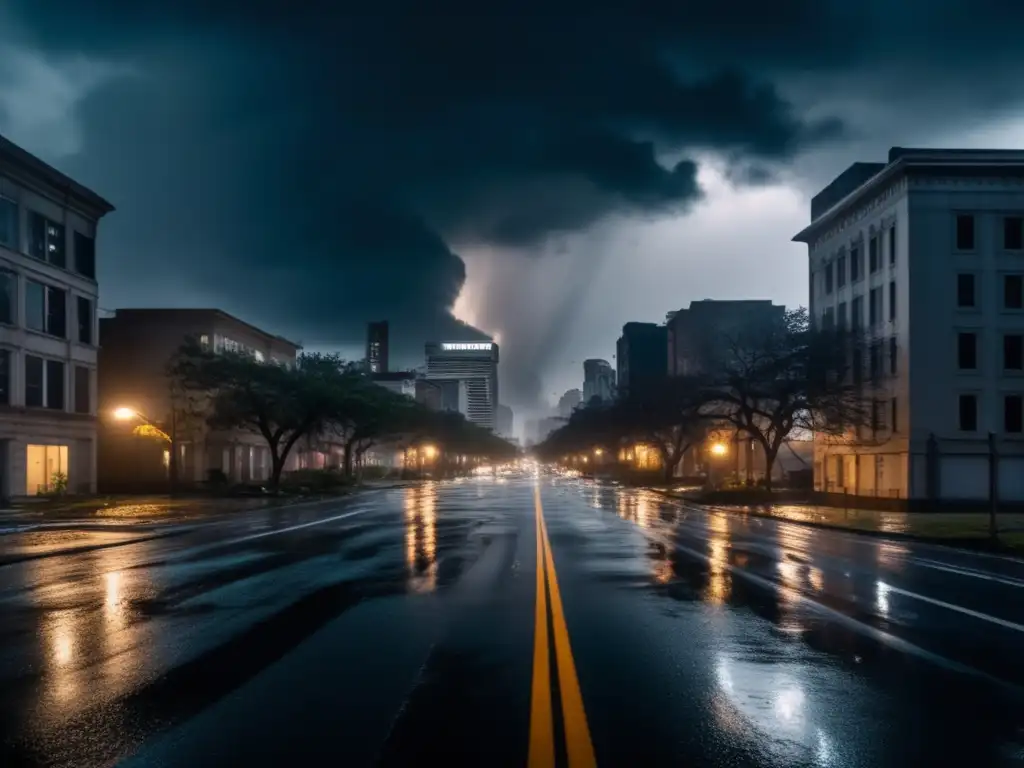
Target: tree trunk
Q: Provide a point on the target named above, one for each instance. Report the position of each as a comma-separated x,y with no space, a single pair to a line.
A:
770,454
276,468
346,465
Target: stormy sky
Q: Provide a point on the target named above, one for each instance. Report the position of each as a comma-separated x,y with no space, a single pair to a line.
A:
539,172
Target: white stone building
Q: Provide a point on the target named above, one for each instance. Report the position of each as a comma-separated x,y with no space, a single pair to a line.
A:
925,254
48,329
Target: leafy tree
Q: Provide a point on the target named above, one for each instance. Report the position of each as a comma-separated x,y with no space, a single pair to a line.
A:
774,380
282,403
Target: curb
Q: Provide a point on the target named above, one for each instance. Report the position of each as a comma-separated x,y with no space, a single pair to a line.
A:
912,537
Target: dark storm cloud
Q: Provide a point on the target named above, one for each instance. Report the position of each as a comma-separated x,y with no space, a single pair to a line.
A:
310,163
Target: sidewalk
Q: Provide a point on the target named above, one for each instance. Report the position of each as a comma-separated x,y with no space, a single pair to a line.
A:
968,529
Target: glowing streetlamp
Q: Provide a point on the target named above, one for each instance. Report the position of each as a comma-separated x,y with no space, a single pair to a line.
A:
429,451
598,451
719,449
124,413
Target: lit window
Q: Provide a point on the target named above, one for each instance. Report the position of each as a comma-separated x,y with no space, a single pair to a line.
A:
260,357
204,340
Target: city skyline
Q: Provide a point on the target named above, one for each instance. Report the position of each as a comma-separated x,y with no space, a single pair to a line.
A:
650,182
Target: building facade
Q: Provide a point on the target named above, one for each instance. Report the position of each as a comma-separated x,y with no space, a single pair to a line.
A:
504,421
137,345
924,257
642,357
377,351
698,335
598,380
399,382
48,332
569,402
467,374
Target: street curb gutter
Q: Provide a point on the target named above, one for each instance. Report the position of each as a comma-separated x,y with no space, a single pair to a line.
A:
933,540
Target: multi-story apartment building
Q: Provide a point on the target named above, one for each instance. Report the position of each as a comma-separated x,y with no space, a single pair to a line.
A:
137,345
48,334
924,256
708,329
642,357
598,380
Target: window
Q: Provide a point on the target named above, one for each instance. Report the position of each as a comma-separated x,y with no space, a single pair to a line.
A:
857,313
47,240
5,376
965,290
893,355
841,316
895,412
965,232
44,383
1013,352
1013,414
204,341
34,381
9,223
85,255
1013,233
8,297
84,320
875,360
857,364
83,401
874,310
841,271
892,246
873,254
828,319
55,385
45,309
968,413
828,277
1013,292
892,299
42,463
967,351
877,419
855,269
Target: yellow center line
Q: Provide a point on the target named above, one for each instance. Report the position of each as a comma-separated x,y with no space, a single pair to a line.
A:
578,745
577,732
542,733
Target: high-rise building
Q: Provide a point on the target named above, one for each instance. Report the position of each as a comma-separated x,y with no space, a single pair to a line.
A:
467,372
568,402
504,420
377,347
598,380
399,382
923,257
698,335
48,361
642,357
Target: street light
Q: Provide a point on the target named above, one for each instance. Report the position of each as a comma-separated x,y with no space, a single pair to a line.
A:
124,413
719,449
598,451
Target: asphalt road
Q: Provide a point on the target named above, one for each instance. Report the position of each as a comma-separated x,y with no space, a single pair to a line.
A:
513,621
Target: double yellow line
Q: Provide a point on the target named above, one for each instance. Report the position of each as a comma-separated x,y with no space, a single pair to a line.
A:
574,719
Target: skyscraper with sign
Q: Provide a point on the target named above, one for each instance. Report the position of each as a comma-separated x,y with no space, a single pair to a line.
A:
467,374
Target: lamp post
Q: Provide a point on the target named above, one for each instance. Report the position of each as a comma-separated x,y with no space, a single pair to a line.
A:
124,413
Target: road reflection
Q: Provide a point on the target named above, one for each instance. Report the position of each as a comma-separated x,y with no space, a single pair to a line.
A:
89,624
719,578
421,536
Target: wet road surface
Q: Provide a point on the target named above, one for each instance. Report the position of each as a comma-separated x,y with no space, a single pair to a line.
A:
508,621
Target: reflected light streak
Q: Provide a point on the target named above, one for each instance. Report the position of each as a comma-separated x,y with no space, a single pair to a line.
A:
882,598
719,584
421,537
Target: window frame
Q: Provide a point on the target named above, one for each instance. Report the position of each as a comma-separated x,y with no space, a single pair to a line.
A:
1020,232
1006,338
974,290
88,389
963,397
47,223
1006,278
960,336
46,363
47,288
1007,396
15,243
956,232
75,239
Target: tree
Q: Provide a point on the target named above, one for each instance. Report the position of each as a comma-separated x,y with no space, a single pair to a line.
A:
669,416
282,403
776,379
